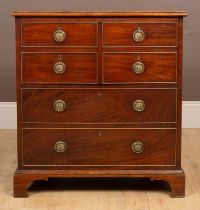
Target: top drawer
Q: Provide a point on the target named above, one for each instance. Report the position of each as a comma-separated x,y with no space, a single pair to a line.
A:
72,34
139,34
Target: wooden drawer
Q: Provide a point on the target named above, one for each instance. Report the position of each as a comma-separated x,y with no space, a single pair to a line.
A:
155,34
98,105
59,68
85,147
142,67
77,34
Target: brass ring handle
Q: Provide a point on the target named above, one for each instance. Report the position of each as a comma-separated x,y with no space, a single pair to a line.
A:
139,105
138,35
137,147
59,35
59,68
138,67
59,105
60,146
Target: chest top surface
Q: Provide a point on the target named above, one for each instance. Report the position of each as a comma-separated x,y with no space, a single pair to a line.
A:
99,13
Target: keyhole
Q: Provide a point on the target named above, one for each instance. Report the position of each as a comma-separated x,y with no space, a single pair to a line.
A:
100,133
138,57
100,93
59,57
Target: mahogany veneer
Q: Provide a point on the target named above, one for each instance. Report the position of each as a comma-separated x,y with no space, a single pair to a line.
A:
40,34
110,105
156,34
82,146
99,95
116,71
80,68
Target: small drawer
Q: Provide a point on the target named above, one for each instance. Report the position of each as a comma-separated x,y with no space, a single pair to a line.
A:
139,34
99,105
59,68
72,34
85,147
139,67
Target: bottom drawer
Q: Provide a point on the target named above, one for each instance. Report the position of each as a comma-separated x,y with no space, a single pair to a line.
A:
98,147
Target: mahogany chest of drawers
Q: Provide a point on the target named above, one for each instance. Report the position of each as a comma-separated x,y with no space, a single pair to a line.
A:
99,95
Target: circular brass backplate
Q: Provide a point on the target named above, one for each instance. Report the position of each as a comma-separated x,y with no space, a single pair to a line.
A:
59,35
138,35
139,105
137,147
59,105
138,67
59,68
60,146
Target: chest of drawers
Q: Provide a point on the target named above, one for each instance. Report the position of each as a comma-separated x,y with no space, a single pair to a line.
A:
99,95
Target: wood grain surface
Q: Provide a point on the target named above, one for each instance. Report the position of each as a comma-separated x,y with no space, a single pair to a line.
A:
41,34
98,147
99,105
158,67
39,68
99,13
156,34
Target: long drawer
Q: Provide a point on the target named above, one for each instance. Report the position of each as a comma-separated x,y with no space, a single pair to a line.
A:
72,68
94,147
139,67
99,105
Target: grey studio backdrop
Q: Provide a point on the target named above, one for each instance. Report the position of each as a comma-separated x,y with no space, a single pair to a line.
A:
191,75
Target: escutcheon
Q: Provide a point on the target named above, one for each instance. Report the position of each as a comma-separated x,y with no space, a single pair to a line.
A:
59,68
60,146
138,67
59,35
139,105
138,35
59,105
137,147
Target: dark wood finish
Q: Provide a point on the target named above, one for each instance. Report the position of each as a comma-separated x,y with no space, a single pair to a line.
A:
175,178
176,182
179,92
98,125
99,87
77,34
98,106
80,68
82,150
156,34
159,67
18,88
103,86
139,49
100,49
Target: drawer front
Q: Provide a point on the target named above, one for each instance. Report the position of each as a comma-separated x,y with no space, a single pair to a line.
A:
151,34
59,68
98,105
59,34
136,68
84,147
